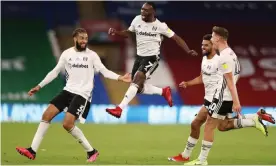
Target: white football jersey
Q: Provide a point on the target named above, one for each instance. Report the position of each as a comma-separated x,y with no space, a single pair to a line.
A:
149,36
228,63
79,71
211,77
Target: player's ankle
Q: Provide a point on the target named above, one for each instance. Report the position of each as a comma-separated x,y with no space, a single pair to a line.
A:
30,149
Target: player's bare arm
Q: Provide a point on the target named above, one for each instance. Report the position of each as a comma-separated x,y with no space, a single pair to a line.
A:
233,90
124,33
125,78
183,45
195,81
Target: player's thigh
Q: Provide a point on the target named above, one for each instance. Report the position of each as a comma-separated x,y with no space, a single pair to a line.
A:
219,109
202,115
135,67
57,105
148,65
79,107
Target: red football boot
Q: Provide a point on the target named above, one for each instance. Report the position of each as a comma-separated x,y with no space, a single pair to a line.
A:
167,94
116,112
178,158
265,116
25,152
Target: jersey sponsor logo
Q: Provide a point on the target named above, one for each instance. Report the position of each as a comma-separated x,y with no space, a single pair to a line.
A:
205,73
77,66
146,34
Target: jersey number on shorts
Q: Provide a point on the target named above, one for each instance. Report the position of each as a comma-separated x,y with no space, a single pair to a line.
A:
80,110
148,66
212,107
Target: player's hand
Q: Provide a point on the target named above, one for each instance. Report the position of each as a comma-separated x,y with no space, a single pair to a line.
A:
125,78
111,31
236,107
34,90
192,52
183,84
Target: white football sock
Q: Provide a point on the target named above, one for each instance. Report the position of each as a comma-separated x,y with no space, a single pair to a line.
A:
240,123
248,116
78,134
205,148
150,90
189,147
130,94
41,131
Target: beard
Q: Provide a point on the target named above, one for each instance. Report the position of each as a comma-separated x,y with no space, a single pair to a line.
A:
207,53
79,48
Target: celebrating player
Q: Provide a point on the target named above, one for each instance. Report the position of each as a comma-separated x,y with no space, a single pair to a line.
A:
80,64
208,77
225,97
149,35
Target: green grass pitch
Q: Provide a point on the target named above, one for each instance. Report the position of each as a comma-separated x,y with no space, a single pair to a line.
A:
138,144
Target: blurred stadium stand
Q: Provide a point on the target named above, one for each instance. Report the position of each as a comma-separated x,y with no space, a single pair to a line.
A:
39,31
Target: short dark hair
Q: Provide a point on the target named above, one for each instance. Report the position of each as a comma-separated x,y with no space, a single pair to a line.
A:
152,4
207,37
223,32
78,31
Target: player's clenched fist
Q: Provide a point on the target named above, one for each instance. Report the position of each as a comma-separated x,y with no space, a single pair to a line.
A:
111,31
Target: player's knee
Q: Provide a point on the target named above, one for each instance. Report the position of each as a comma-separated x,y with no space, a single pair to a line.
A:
195,125
68,125
139,78
211,124
141,88
47,116
50,113
221,128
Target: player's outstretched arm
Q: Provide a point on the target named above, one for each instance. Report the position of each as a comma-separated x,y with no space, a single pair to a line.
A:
49,77
233,90
166,31
195,81
124,33
183,45
108,73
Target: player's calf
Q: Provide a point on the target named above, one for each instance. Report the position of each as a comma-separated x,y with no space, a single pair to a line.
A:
68,124
43,126
195,128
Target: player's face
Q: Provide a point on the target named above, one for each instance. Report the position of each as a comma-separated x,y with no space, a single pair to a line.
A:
81,41
215,39
206,47
146,12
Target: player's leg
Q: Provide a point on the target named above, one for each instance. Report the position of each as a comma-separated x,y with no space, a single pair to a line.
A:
144,64
247,120
55,107
154,90
78,106
216,114
142,68
194,136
